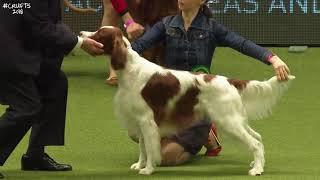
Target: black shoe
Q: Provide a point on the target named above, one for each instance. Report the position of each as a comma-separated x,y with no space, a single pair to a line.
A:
1,176
44,163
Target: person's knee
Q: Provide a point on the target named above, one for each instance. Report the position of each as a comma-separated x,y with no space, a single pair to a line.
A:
35,108
173,155
168,158
28,110
183,157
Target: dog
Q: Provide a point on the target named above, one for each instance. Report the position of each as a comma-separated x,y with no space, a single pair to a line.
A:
155,102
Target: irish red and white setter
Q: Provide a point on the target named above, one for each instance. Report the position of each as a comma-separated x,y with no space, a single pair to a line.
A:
155,102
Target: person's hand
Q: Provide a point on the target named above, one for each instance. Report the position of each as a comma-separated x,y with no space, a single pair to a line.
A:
92,47
134,30
281,69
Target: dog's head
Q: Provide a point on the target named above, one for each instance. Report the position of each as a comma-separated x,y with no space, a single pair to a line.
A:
114,44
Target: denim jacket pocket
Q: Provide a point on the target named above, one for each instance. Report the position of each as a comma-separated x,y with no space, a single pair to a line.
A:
200,35
174,33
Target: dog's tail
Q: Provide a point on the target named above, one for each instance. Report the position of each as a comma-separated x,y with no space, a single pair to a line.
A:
258,97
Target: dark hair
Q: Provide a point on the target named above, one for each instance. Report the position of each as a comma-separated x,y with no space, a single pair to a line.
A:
206,11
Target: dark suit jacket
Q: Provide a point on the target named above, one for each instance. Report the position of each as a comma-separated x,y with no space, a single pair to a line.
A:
35,36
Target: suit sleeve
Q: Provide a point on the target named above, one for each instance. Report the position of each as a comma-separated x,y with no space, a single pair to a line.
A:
50,35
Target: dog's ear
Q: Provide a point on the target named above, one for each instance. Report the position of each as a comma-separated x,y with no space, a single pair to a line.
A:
119,53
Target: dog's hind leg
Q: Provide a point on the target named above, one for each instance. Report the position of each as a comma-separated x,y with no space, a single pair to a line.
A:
234,125
253,144
258,137
254,133
151,137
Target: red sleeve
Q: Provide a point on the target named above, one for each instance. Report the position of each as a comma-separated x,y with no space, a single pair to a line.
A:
120,6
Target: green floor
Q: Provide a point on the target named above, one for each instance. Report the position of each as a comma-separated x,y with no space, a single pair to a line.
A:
98,147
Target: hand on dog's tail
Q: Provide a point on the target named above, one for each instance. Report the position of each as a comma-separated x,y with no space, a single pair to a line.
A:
258,97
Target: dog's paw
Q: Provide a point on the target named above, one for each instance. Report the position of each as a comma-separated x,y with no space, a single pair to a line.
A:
146,171
136,166
256,172
253,163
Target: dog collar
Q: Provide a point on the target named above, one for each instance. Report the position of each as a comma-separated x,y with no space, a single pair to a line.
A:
201,68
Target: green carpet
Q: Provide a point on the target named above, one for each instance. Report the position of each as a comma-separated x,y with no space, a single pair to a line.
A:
98,148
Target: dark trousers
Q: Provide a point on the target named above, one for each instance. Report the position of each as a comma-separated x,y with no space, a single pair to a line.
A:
33,102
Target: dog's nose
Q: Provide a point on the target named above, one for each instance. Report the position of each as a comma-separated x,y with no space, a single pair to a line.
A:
85,33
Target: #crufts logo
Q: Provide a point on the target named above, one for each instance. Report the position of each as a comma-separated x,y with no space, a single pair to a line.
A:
16,8
267,6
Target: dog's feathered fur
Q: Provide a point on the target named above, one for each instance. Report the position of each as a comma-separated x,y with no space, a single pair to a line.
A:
154,102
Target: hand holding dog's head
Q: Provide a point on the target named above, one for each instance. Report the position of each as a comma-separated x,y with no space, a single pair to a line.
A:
109,36
114,44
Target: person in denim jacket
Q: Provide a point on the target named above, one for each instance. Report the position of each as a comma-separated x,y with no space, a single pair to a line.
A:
190,40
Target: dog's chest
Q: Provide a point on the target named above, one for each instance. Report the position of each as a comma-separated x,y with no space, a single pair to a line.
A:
129,103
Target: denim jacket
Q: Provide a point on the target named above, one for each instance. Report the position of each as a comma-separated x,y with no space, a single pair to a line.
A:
185,50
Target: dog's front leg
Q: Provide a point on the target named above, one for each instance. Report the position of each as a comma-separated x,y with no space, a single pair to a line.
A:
142,157
151,137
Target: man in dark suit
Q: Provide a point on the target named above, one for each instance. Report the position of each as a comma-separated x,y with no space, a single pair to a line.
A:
32,47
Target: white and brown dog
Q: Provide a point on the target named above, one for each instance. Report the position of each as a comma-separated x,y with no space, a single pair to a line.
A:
155,102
